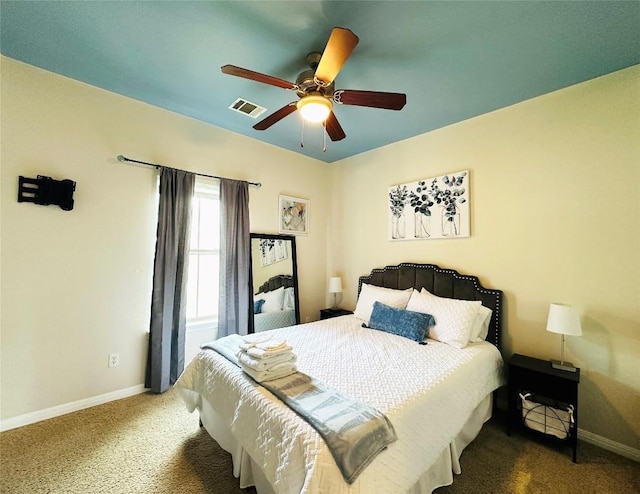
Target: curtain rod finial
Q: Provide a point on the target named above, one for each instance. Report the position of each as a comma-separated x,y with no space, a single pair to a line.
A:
121,158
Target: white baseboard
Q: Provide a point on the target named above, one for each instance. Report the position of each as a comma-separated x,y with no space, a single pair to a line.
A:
49,413
609,445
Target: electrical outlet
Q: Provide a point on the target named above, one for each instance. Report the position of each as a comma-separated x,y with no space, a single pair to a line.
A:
114,359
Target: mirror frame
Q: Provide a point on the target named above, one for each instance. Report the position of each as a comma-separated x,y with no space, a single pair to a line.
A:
294,266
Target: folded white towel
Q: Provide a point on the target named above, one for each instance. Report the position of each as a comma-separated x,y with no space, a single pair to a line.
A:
268,344
278,371
262,364
255,338
271,347
261,353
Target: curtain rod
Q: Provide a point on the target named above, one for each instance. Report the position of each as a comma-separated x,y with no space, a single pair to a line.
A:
124,158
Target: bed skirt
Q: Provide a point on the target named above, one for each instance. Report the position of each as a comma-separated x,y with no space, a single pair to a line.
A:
249,472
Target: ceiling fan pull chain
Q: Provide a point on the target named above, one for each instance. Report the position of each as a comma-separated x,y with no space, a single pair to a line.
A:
302,134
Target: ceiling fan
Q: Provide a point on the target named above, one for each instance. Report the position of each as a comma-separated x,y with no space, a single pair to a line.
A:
315,87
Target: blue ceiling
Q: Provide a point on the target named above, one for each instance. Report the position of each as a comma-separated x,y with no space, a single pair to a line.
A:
454,60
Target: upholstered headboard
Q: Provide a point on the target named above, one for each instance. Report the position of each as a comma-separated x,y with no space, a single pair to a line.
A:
442,282
285,280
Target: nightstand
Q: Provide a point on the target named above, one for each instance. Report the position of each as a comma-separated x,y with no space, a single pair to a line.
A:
329,313
552,386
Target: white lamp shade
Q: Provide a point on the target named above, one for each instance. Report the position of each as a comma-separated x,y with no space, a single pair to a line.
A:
335,285
314,108
563,319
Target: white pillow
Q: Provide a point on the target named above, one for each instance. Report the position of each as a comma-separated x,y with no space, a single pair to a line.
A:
272,300
289,302
388,296
454,318
480,328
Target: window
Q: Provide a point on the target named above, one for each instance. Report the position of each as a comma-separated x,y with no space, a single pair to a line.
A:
204,257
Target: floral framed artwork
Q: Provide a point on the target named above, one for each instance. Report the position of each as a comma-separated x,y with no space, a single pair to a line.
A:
272,251
431,208
293,215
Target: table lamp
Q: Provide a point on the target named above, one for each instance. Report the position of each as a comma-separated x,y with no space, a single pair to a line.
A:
335,287
564,320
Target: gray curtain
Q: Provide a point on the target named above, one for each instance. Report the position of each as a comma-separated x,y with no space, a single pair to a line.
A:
235,311
165,360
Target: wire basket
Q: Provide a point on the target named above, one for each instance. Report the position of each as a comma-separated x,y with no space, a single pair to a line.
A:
554,421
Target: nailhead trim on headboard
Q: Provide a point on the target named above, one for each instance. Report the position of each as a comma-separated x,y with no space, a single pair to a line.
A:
496,295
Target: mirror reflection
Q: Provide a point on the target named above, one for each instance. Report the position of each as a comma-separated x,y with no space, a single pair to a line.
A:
274,281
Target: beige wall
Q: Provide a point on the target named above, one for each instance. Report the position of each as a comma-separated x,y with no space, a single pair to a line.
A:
555,217
76,285
555,198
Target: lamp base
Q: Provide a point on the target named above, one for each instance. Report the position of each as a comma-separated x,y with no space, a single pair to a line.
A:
565,366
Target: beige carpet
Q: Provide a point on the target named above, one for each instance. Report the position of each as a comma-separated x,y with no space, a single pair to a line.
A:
497,463
150,444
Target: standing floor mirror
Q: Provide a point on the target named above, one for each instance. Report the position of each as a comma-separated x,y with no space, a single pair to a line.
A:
274,278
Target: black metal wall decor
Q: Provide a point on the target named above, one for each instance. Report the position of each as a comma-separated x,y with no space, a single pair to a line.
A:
44,190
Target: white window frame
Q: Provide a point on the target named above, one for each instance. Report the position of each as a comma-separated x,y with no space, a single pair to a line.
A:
210,189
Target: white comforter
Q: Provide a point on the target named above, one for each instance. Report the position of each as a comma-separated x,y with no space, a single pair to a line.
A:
426,391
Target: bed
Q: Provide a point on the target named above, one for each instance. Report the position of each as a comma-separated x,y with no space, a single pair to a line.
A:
436,395
278,308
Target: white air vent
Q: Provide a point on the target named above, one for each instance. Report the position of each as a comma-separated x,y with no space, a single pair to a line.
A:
243,106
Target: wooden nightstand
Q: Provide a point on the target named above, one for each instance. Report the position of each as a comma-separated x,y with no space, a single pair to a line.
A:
552,386
329,313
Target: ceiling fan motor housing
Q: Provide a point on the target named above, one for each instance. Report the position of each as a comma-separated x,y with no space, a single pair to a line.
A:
306,82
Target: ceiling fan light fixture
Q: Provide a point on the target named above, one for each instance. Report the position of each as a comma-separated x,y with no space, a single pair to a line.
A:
314,108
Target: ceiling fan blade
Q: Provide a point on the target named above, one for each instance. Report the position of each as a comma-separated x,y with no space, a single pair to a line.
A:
276,116
256,76
340,45
372,99
333,128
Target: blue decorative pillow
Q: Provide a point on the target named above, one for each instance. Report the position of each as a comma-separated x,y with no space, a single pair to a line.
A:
412,325
257,306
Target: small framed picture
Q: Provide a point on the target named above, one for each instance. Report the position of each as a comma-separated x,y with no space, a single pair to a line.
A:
272,251
293,215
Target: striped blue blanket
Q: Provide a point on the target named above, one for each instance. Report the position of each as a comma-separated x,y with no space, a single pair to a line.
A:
354,432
